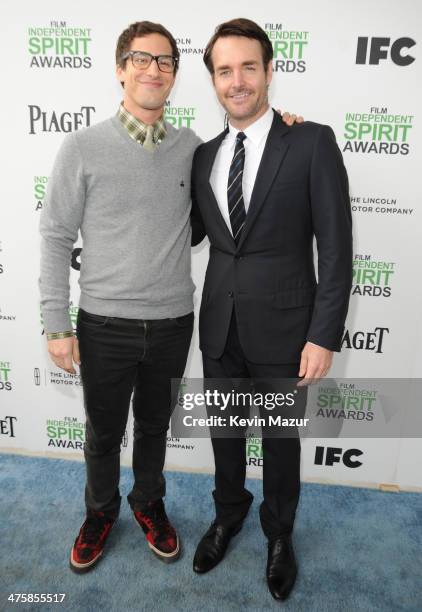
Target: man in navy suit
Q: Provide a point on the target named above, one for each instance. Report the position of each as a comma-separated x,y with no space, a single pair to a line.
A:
261,192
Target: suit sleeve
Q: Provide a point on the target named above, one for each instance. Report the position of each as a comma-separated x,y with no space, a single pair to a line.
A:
198,228
332,223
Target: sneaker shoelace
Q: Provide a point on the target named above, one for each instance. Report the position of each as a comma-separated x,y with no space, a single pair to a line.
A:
93,529
158,521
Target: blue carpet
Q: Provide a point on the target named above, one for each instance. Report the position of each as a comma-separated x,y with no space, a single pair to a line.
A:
357,549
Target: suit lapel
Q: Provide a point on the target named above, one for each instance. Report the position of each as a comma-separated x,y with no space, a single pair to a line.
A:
274,153
213,149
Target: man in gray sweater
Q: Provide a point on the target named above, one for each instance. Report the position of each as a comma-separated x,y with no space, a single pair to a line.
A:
125,184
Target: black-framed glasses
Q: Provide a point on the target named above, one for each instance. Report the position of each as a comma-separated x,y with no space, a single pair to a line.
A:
141,60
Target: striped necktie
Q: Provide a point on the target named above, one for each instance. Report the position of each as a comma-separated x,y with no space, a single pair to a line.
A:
235,202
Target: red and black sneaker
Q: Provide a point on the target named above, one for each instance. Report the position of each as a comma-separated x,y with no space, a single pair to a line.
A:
161,535
89,544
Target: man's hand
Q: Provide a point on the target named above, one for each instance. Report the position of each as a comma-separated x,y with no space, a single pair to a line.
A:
314,363
64,352
290,119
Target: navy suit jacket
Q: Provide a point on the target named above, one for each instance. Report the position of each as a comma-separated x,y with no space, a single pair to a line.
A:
300,192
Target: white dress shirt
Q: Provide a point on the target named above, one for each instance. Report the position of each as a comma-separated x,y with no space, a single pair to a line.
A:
254,143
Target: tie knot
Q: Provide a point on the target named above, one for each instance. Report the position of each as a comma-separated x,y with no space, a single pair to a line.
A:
149,143
240,137
150,130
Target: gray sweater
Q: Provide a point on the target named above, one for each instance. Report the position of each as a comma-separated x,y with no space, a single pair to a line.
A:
132,208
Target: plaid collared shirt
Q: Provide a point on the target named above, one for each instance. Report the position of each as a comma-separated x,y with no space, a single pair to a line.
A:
137,129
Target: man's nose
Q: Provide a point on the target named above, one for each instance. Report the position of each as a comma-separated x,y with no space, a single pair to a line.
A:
153,69
237,78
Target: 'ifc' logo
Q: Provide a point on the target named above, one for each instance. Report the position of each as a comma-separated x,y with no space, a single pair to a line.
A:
334,455
379,48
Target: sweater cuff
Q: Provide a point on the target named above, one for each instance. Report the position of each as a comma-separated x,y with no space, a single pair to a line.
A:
56,321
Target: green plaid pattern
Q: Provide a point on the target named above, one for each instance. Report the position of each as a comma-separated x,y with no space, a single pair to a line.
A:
137,129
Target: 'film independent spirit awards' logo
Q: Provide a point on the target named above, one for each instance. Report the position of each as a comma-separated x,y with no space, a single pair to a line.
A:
254,454
346,401
69,433
66,433
289,48
40,186
59,45
372,277
5,376
179,116
378,131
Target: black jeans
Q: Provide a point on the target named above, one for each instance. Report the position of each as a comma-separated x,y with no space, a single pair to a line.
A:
118,357
281,456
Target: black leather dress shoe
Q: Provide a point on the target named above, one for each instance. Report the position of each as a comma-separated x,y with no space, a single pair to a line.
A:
281,567
211,549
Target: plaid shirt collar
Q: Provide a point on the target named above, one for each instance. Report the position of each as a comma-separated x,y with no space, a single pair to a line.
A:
138,129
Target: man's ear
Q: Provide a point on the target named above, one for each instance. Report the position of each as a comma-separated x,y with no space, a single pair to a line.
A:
120,73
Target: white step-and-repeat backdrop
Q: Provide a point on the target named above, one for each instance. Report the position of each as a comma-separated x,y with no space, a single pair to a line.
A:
353,65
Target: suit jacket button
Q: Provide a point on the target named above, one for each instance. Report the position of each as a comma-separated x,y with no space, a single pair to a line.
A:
231,294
